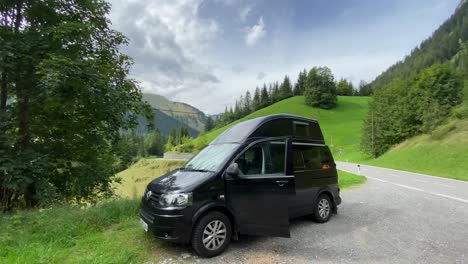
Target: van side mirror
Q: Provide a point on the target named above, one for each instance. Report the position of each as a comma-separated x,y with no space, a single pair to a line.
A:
233,170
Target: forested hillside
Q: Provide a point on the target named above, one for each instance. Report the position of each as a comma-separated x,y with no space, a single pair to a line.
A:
420,93
444,44
418,117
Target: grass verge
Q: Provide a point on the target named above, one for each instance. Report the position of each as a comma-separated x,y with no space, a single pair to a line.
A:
106,233
346,179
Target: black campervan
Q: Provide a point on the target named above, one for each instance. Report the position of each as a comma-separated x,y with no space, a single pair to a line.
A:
251,180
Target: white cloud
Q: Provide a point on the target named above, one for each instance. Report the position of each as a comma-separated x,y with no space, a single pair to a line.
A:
226,2
244,13
255,33
168,42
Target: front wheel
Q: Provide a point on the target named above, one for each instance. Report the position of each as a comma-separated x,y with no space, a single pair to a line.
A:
323,209
212,234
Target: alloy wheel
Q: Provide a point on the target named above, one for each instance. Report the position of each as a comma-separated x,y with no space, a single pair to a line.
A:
324,208
214,235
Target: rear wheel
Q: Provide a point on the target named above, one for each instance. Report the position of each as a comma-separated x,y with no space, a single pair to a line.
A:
212,234
323,209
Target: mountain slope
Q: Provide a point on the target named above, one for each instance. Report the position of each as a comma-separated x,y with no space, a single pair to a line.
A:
442,153
168,115
441,47
164,123
341,126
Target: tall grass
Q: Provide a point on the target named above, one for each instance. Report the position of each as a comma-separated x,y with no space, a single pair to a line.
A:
106,233
134,179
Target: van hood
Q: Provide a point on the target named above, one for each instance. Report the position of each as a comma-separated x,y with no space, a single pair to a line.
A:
179,181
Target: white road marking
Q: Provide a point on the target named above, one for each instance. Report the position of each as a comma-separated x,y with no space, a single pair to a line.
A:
414,173
377,179
444,185
420,180
421,190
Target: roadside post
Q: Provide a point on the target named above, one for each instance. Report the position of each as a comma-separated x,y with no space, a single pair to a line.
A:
359,169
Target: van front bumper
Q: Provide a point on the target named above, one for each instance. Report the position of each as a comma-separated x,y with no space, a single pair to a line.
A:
169,226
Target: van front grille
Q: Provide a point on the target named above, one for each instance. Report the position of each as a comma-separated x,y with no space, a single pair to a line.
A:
153,199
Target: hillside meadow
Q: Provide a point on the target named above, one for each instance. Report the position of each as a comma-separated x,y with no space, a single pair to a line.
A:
442,153
341,126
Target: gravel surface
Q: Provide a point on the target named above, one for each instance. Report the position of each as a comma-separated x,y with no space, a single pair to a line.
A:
378,222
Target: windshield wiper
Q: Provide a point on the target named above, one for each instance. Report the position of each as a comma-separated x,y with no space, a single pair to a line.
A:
197,170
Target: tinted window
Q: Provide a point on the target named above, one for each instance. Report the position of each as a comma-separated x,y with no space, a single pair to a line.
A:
265,158
301,129
298,160
326,155
275,165
275,128
313,156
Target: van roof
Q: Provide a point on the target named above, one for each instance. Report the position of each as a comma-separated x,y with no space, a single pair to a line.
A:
258,127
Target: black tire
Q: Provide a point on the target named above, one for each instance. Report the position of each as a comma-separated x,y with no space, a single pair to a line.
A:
198,234
321,213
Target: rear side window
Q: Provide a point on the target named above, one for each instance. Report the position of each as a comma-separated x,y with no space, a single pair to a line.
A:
301,129
265,158
310,157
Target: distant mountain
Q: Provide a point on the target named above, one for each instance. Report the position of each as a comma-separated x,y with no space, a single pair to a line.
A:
168,114
443,46
216,116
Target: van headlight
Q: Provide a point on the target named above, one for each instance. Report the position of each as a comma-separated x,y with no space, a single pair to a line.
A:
176,200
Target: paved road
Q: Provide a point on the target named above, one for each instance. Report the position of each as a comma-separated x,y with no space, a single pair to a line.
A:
396,217
442,187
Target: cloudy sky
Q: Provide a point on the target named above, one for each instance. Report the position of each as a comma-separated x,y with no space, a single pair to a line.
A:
208,52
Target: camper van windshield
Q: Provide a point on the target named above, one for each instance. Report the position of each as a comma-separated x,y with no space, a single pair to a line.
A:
211,158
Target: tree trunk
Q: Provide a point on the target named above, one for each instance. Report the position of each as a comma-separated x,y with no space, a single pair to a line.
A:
19,15
3,92
22,96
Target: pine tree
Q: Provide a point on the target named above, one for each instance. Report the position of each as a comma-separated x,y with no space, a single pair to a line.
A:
256,103
286,89
299,87
365,89
344,88
237,111
264,97
247,103
275,94
209,124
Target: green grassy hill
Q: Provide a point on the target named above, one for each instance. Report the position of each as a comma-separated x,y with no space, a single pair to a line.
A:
443,153
341,126
134,179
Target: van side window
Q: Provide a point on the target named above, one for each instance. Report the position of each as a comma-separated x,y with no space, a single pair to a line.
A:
265,158
326,155
301,129
298,160
312,156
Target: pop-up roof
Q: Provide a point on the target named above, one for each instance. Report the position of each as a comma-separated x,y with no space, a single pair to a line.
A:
273,126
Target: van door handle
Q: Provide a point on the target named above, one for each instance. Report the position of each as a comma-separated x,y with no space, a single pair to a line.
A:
281,183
